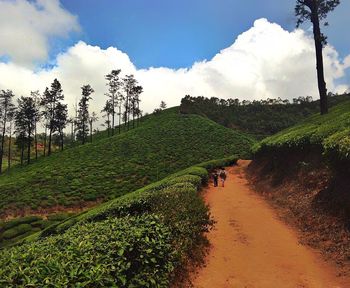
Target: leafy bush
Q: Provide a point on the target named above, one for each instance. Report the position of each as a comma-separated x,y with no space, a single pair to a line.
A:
125,252
18,221
16,231
136,240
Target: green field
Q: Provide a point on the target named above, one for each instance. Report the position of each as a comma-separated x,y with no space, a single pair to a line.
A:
111,167
330,133
137,240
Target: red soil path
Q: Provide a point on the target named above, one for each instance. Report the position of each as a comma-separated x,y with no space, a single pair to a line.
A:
251,247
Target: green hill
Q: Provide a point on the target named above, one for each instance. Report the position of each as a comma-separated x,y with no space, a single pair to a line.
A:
111,167
329,133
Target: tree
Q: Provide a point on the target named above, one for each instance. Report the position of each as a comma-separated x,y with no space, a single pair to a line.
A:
316,11
61,121
108,110
162,105
93,118
114,84
50,100
9,155
135,104
83,113
25,119
36,97
6,108
129,84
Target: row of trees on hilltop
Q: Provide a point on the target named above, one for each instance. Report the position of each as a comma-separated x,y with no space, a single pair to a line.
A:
49,110
260,118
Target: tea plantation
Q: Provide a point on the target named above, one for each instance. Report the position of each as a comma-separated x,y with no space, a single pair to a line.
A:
137,240
330,133
111,167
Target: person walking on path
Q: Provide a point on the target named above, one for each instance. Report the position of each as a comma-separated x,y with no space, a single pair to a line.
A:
223,176
215,178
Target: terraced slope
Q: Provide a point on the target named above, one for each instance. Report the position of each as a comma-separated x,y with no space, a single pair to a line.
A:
111,167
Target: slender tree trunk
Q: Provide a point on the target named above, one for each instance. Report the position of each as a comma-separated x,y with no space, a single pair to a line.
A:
3,139
22,151
113,113
50,138
35,142
90,131
62,140
319,63
9,150
83,141
108,124
71,138
29,144
45,136
120,117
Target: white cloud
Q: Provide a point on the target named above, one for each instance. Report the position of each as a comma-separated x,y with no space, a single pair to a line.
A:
264,62
26,27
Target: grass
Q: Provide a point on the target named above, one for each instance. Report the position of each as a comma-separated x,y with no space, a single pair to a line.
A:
137,240
330,132
114,166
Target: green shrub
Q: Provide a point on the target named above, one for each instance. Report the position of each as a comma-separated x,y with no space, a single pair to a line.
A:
125,252
16,231
58,217
18,221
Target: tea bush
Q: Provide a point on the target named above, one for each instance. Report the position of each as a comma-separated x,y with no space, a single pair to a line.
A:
136,240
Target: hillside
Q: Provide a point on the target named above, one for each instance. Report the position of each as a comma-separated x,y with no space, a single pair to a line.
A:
138,240
306,170
259,118
111,167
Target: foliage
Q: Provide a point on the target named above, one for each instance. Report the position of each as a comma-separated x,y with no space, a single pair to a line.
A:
259,118
111,167
137,240
329,132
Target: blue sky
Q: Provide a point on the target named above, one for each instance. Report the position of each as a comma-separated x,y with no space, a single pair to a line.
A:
226,48
177,33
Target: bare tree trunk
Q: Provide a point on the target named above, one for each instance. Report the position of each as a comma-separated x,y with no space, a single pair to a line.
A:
50,138
9,150
90,131
29,144
35,142
113,113
45,136
22,152
120,117
319,63
3,140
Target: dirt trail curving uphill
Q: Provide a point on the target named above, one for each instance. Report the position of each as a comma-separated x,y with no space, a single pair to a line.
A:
251,247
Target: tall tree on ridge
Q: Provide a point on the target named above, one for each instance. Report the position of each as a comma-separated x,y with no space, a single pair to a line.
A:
129,83
83,113
108,110
93,118
61,121
6,108
36,97
50,100
316,11
114,84
26,116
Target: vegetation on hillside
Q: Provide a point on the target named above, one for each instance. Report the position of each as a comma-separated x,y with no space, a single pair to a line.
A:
137,240
259,118
330,133
110,167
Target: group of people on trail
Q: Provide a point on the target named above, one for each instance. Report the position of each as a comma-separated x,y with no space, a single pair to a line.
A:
219,174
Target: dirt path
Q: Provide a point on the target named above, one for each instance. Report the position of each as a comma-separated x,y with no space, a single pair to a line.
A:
251,247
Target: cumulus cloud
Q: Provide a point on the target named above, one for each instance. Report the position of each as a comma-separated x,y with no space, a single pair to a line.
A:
264,62
26,27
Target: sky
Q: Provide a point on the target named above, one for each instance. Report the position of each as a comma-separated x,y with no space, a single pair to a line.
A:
224,48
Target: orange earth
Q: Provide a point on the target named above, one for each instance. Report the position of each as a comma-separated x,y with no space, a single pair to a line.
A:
251,247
